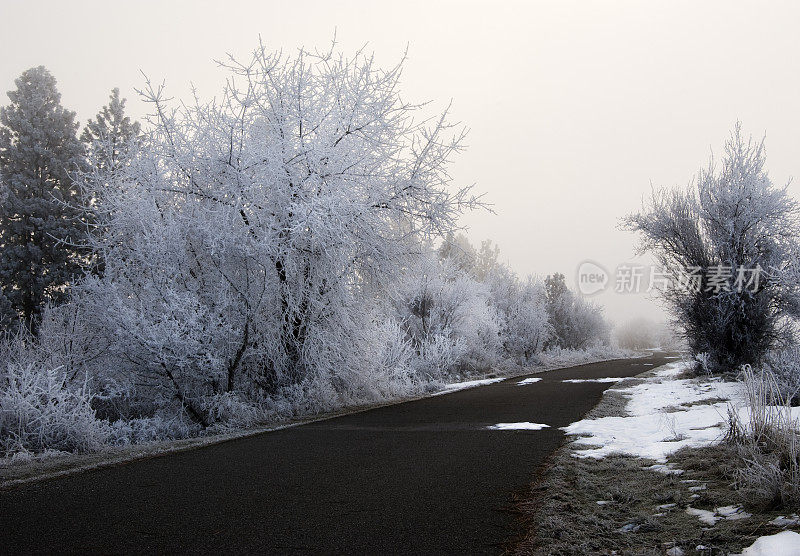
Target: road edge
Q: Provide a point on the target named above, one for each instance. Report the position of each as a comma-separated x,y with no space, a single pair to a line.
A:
72,464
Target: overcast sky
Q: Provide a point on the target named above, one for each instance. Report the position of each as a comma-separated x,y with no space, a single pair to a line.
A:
574,108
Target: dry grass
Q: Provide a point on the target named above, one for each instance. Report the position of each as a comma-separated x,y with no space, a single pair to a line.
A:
767,447
562,516
613,405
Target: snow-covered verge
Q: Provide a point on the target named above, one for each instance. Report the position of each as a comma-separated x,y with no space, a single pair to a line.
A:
657,475
664,414
669,418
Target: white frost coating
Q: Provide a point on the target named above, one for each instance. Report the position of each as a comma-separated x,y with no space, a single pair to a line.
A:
785,543
528,381
706,516
666,469
604,379
649,431
525,425
732,512
783,521
456,386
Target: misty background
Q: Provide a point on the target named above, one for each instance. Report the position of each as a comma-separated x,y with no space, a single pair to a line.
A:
575,109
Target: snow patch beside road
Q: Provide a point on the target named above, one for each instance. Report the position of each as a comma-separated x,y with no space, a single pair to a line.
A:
456,386
665,414
525,425
604,379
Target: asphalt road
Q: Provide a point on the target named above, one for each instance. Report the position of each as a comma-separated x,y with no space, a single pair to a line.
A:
419,477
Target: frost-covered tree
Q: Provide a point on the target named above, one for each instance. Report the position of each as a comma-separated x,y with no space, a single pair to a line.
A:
521,307
447,316
517,306
477,262
109,139
457,249
734,219
250,239
486,260
40,225
110,136
576,322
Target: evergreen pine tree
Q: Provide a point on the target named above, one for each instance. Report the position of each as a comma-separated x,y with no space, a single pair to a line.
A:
109,140
109,136
40,224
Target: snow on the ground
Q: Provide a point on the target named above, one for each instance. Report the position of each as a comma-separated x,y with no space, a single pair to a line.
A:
528,381
456,386
732,512
708,517
785,543
784,521
666,413
604,379
666,469
525,425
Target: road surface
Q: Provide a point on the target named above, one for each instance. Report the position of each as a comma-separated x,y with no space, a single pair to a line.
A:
419,477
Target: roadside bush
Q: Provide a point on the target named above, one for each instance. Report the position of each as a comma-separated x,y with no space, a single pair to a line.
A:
784,367
731,222
576,322
521,307
39,412
447,318
767,471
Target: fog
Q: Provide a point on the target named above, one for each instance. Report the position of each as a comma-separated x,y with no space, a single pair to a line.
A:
575,109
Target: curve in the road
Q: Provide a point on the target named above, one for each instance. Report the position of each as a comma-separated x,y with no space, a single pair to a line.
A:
427,476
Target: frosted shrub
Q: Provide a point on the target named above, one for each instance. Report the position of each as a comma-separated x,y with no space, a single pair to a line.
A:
767,470
393,374
39,412
522,312
139,430
71,338
438,356
248,240
576,322
731,217
447,317
703,362
784,365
